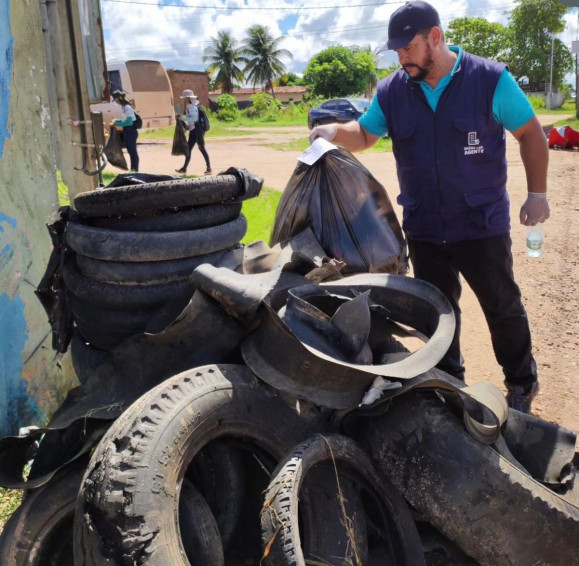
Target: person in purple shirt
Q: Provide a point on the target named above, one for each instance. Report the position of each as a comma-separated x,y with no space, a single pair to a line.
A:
446,112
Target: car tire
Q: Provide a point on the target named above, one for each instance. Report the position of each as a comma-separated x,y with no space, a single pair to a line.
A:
171,220
348,462
86,358
489,508
115,296
146,272
148,450
116,245
129,199
40,531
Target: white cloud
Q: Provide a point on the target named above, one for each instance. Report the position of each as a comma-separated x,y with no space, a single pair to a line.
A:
178,35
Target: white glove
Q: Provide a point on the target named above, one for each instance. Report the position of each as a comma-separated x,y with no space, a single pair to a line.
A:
327,132
535,209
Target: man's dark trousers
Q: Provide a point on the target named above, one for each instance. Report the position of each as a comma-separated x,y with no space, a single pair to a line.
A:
487,266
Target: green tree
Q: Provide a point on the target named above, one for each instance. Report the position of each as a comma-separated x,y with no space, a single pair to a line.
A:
532,26
478,36
387,71
290,79
340,71
263,54
224,57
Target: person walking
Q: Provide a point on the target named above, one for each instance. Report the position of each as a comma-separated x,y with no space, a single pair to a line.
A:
196,131
446,112
130,132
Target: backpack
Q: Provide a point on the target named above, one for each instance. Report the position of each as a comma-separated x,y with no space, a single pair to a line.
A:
138,121
204,120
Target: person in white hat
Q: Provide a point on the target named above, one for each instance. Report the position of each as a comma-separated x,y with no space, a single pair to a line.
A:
130,132
196,132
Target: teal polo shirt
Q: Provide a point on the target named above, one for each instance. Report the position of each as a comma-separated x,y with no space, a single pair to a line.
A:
511,107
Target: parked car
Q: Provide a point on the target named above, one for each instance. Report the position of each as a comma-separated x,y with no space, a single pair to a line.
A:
337,110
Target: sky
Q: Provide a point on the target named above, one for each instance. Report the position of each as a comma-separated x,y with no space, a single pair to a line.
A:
176,32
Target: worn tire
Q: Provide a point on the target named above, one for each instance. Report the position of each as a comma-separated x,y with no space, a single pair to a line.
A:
116,296
129,199
86,358
470,493
106,328
148,450
40,531
116,245
171,220
201,538
219,472
149,272
280,516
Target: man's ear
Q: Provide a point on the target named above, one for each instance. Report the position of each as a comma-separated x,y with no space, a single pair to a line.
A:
436,36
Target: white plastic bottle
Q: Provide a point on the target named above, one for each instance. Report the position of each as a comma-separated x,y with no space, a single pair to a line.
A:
535,240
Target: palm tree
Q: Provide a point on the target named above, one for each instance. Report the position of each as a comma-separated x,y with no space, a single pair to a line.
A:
224,56
263,54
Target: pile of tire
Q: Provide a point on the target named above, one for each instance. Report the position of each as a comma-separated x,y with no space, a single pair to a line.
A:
134,246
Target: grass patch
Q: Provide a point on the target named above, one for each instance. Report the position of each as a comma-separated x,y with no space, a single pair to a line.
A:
300,144
568,107
260,214
9,500
569,122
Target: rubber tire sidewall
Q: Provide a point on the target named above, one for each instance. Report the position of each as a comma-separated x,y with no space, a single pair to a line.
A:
170,424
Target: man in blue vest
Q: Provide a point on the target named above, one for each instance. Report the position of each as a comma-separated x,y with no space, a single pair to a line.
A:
446,112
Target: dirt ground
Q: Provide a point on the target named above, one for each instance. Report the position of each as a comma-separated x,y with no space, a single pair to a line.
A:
549,284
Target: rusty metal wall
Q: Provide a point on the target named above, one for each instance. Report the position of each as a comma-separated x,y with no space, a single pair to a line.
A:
34,143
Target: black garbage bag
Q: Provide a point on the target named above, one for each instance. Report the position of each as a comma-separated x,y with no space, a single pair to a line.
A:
349,212
114,150
180,146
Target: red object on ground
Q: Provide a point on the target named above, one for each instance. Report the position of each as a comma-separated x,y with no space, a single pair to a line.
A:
572,137
564,137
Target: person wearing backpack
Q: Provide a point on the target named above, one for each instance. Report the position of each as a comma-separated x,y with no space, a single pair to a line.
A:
129,123
197,123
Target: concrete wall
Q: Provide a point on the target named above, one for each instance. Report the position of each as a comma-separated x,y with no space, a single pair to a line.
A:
285,94
33,143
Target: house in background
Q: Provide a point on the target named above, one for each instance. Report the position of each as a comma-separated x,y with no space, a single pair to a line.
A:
197,81
285,94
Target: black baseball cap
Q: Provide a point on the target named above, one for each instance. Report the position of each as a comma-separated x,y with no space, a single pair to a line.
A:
407,21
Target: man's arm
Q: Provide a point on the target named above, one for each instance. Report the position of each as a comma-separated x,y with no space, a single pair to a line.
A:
349,135
535,155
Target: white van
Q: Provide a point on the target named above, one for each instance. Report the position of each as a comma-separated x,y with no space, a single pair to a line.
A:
148,88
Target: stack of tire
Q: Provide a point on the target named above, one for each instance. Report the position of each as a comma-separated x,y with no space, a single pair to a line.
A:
134,246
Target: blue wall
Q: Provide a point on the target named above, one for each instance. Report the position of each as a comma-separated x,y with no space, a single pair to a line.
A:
6,58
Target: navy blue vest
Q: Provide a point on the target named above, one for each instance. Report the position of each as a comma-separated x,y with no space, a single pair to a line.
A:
451,163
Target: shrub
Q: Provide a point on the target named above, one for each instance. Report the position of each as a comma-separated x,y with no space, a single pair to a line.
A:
537,102
228,110
264,105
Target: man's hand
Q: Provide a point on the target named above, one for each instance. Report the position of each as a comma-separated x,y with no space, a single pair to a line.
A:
327,132
535,209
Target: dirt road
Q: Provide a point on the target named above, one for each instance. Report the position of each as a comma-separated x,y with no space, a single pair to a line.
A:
550,284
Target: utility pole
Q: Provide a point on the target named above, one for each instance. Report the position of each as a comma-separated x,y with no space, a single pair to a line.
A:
550,105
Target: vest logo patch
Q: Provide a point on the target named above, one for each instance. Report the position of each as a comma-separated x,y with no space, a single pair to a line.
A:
473,146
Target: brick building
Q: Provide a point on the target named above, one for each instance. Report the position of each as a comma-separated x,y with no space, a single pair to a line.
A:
197,81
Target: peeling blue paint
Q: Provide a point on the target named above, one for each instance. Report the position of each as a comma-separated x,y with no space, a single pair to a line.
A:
6,61
14,399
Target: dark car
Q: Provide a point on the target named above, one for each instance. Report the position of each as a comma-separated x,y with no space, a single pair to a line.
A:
337,110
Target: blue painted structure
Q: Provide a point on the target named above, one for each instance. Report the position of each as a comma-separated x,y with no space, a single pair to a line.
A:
41,89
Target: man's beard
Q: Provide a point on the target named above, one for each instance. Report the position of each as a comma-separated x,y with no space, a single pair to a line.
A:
422,71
